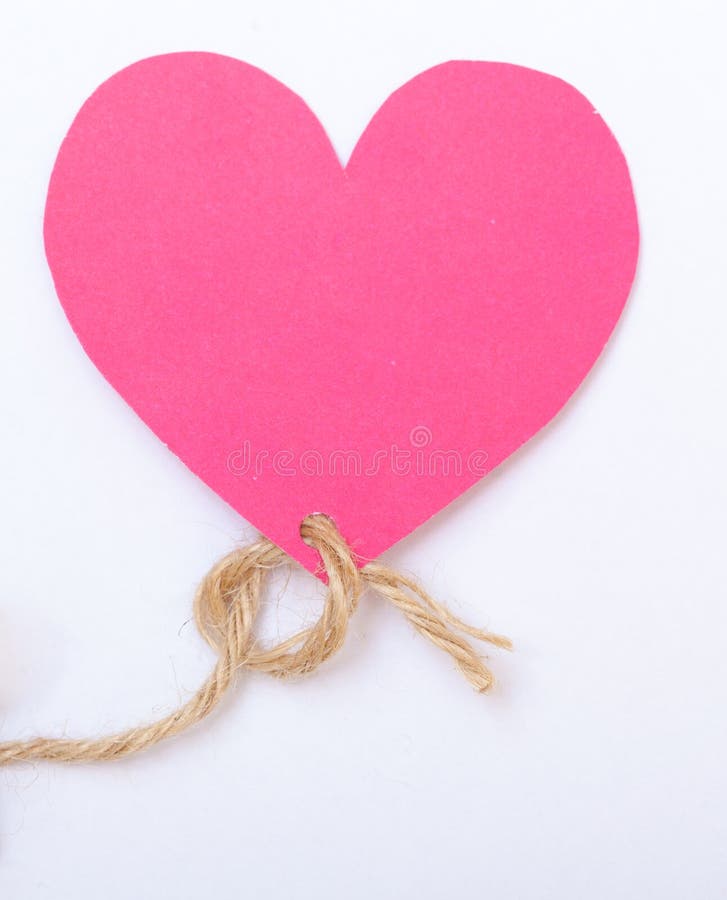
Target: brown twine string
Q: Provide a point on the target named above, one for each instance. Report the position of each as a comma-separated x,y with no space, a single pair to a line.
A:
225,609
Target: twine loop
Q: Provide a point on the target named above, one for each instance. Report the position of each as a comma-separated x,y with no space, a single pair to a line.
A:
228,600
225,610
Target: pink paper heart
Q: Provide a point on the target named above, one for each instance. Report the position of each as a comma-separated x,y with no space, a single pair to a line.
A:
442,296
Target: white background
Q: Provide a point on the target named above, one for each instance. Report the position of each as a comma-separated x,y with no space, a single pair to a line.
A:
597,769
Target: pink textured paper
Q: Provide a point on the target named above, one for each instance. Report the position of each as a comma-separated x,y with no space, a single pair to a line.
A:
443,294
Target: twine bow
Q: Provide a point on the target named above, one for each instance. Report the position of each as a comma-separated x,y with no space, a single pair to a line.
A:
225,609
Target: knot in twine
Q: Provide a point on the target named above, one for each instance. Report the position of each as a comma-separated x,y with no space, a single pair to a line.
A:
225,609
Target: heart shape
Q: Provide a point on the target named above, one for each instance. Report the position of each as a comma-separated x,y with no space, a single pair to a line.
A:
366,341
